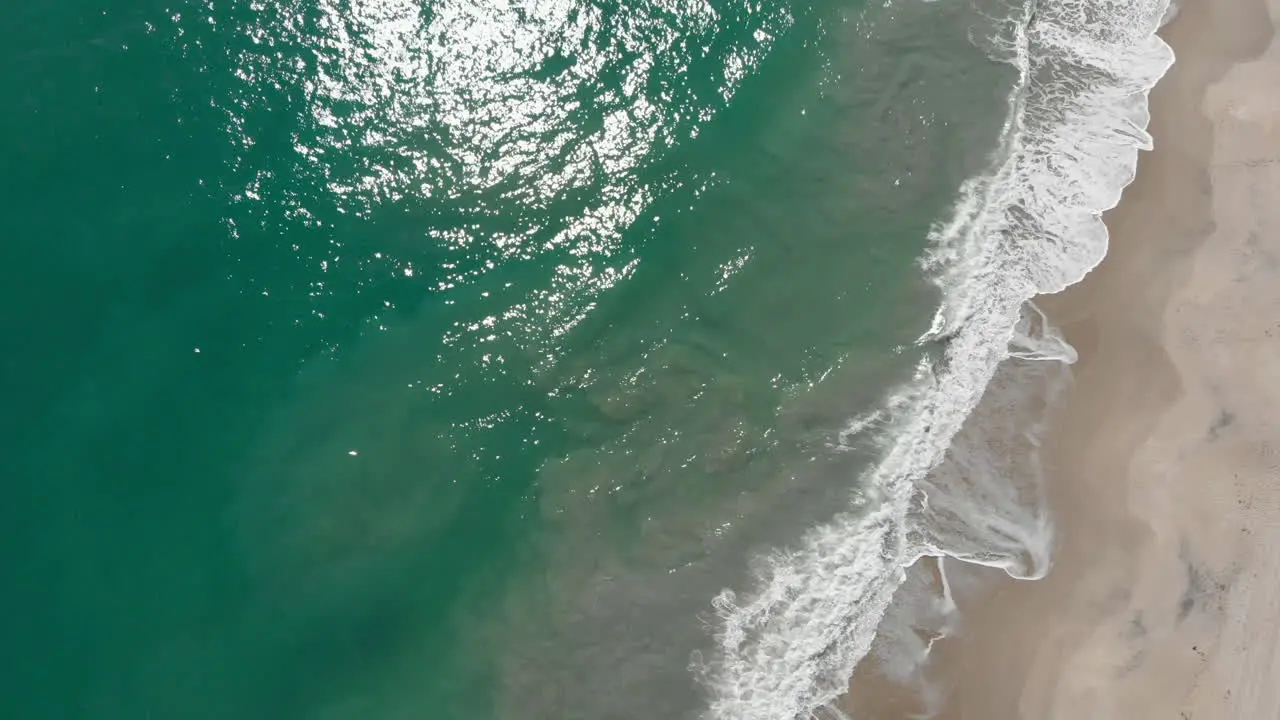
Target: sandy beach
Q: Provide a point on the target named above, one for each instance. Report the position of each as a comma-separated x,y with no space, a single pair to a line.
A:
1164,599
1164,455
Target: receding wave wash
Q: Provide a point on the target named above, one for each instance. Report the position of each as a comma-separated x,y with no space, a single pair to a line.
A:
1029,225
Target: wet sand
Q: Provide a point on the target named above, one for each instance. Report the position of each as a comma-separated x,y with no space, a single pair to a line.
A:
1164,457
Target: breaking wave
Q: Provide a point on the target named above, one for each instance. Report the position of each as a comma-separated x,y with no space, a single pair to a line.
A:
953,482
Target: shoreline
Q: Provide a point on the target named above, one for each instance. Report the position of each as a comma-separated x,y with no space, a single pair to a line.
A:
1160,465
1140,567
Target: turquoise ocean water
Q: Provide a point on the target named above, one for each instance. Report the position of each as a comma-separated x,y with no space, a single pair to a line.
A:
443,359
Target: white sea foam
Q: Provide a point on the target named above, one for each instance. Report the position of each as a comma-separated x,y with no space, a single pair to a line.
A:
1032,225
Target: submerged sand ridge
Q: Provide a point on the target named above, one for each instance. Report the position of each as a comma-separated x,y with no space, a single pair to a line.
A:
1164,456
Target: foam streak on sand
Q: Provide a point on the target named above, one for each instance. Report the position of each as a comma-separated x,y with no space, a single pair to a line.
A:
1076,122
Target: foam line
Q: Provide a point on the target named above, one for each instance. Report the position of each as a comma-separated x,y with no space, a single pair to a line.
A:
1030,225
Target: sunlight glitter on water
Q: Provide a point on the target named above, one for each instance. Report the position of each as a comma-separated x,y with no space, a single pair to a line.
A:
550,115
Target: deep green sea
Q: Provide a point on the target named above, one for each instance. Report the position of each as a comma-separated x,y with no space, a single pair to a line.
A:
389,359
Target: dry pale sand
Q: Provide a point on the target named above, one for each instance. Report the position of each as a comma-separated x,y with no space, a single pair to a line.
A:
1164,599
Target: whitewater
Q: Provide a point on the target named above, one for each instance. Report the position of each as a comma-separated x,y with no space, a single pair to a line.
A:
1030,225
